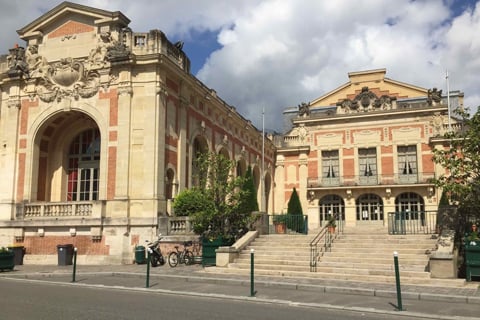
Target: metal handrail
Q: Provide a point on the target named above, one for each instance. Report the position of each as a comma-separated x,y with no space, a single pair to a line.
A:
327,236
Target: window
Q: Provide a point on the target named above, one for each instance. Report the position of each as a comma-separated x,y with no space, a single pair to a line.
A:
330,168
367,159
407,163
139,41
411,205
329,205
369,207
83,166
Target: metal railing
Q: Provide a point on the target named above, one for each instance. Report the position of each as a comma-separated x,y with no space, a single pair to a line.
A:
412,222
288,223
381,179
322,242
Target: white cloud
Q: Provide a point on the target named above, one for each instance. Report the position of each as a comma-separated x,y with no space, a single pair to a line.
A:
279,53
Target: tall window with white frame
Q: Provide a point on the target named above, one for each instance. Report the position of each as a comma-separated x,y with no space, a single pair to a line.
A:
407,164
330,168
367,161
83,166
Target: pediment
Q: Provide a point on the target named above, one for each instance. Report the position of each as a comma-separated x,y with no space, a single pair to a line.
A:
371,82
70,18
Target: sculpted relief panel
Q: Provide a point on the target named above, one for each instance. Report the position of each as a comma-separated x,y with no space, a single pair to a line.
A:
366,101
68,77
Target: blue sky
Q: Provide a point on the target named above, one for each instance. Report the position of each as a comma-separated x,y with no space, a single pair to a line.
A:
275,54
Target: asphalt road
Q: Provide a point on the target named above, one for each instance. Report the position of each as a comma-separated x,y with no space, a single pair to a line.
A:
25,300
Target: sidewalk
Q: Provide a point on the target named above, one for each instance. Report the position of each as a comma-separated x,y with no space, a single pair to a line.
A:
418,301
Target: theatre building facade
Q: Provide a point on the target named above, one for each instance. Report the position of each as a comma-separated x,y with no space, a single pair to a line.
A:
99,127
364,151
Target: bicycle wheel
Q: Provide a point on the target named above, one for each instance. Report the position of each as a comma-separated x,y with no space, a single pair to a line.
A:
188,258
173,259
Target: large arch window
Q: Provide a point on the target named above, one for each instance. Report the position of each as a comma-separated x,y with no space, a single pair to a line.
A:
83,166
369,208
411,204
329,205
200,146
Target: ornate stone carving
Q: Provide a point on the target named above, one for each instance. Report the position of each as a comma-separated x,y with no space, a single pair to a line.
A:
118,50
434,96
304,109
37,64
17,65
67,78
437,124
14,102
365,101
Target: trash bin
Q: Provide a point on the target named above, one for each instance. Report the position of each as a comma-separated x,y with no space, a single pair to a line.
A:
19,252
140,255
65,254
472,258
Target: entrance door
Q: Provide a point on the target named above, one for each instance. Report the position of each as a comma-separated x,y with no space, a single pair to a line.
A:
369,209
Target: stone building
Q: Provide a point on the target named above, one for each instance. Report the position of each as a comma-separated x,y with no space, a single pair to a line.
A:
99,126
364,151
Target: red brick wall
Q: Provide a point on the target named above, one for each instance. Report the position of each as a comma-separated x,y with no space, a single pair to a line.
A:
48,245
70,27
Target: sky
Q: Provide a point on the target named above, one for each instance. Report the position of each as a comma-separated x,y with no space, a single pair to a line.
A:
274,54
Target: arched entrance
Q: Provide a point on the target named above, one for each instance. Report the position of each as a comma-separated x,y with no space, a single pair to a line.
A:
66,159
369,209
330,205
411,205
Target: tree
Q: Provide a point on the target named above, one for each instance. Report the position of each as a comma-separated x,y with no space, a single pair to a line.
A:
461,159
249,203
294,205
295,213
220,213
190,201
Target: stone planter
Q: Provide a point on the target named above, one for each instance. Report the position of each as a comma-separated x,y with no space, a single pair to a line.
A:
280,228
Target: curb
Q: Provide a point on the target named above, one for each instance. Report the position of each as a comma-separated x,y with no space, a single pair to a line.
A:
270,284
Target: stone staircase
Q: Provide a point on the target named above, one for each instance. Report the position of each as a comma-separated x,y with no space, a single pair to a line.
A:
362,254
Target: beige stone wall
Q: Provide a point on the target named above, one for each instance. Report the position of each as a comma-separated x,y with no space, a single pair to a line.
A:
148,110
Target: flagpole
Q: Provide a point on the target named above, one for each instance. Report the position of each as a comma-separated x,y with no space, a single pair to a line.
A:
263,161
448,102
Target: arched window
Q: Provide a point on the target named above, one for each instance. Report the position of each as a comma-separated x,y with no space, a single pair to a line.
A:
169,192
329,205
411,204
369,207
200,146
83,166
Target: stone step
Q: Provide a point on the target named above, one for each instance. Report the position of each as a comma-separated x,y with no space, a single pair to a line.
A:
379,250
419,267
373,260
334,271
453,283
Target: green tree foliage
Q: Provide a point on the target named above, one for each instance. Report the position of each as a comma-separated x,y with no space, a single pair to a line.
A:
295,213
220,199
249,203
190,201
294,205
461,159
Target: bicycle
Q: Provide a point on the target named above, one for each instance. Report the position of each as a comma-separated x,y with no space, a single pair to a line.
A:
184,256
